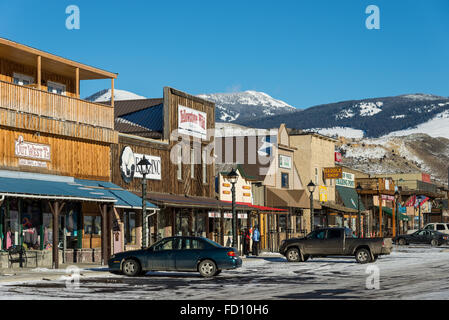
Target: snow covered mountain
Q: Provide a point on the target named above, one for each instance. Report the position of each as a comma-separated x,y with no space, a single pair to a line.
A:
400,115
105,95
243,106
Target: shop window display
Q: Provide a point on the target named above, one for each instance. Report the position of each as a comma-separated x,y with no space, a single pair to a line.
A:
129,219
12,227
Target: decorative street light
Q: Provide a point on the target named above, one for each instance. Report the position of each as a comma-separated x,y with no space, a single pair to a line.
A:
233,177
311,187
144,167
359,190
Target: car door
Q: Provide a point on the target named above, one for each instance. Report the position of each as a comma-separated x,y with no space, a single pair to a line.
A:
334,242
188,256
315,243
163,254
416,237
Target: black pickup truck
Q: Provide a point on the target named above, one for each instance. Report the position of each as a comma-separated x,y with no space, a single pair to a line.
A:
335,242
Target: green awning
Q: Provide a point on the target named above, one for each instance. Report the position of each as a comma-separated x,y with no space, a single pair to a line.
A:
389,211
349,197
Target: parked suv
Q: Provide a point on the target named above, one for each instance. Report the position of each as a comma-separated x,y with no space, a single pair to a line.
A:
440,227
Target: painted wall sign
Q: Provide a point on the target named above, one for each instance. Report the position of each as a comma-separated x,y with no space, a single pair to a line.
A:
155,168
333,173
128,165
192,122
347,180
285,162
31,150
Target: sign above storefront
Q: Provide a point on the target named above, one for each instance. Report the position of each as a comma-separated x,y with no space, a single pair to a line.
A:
285,162
347,180
128,165
333,173
192,122
33,152
338,157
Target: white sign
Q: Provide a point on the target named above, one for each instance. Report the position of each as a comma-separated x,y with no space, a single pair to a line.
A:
32,163
285,162
30,150
347,180
228,215
192,122
155,168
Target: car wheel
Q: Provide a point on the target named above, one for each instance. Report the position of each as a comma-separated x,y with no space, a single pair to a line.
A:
402,242
217,273
131,268
434,242
293,255
207,268
363,256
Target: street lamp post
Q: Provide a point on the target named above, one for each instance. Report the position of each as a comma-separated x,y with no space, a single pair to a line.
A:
359,222
143,167
233,177
395,217
311,187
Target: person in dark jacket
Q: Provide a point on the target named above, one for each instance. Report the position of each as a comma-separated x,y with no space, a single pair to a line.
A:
246,241
256,239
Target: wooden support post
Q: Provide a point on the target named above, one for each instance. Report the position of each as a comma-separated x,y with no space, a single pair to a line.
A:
77,82
39,72
191,231
104,238
56,209
173,216
380,215
222,227
112,92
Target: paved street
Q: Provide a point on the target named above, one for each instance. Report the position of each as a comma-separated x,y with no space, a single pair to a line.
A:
411,272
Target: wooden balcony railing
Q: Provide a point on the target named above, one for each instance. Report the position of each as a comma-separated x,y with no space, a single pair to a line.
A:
55,106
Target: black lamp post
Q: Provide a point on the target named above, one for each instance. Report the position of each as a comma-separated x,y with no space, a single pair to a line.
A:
143,167
311,187
233,177
359,190
396,199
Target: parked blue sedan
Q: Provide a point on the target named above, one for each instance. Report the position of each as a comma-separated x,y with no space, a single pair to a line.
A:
196,254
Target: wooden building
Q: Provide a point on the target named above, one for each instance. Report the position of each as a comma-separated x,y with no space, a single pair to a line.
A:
55,162
174,132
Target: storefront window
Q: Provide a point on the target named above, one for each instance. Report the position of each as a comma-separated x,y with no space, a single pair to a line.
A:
31,222
129,219
92,225
12,223
282,223
69,225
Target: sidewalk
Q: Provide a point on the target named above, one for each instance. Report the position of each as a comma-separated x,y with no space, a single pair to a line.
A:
37,274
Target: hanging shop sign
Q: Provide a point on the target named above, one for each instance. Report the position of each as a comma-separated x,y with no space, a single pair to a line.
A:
333,173
128,165
35,154
347,180
323,193
192,122
285,162
387,197
338,157
228,215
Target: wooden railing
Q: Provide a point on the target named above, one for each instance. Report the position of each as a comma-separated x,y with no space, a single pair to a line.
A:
55,106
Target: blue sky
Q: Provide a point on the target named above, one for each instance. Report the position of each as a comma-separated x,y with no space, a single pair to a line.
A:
303,52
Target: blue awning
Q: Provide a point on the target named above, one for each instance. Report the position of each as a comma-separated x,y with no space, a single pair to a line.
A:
41,186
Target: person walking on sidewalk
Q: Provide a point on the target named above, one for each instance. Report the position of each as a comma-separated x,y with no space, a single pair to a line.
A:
246,241
256,239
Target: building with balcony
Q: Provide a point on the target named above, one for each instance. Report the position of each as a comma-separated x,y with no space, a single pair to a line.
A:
55,164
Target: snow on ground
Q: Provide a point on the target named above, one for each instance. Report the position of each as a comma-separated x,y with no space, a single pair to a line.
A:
411,272
436,127
367,152
368,109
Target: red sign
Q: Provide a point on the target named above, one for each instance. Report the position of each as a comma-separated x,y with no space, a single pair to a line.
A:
338,157
426,177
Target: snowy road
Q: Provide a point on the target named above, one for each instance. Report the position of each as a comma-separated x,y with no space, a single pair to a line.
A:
411,272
